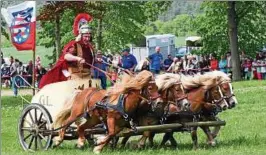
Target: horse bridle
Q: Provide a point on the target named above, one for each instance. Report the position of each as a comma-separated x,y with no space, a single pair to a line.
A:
214,101
231,90
145,92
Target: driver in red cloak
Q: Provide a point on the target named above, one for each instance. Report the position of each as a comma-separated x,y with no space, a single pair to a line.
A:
71,64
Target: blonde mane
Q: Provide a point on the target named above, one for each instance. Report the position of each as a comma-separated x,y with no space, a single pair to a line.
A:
206,80
220,75
167,80
131,83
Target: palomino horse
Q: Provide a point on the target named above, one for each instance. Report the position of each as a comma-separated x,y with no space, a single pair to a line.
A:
227,90
204,93
113,112
171,91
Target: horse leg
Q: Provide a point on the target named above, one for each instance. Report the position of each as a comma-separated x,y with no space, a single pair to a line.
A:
81,133
194,137
210,140
215,131
113,129
59,139
124,141
114,142
166,137
151,139
172,140
143,139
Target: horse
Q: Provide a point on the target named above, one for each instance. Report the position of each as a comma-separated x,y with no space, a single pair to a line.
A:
226,87
171,90
204,93
227,90
115,112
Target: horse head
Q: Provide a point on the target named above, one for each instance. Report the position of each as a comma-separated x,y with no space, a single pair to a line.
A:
215,96
177,94
227,90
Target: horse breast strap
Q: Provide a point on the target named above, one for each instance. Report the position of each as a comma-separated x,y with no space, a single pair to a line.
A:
118,107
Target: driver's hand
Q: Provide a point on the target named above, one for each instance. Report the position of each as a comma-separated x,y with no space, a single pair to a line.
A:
82,61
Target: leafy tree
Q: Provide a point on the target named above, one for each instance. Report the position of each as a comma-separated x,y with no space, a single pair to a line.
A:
50,15
232,26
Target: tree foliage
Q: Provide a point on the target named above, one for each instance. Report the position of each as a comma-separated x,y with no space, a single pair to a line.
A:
212,26
122,22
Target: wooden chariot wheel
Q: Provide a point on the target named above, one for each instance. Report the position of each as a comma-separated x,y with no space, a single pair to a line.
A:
33,128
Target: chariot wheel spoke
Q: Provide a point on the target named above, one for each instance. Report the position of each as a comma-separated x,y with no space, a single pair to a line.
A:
35,115
40,117
31,117
43,137
26,129
36,142
27,122
40,141
31,140
43,123
25,138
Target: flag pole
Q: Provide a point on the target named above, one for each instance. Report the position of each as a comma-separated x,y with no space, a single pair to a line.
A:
34,54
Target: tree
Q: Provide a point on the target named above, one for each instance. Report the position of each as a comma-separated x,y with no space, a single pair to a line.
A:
52,12
232,26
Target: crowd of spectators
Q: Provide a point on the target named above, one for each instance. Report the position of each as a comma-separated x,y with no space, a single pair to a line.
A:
251,68
12,67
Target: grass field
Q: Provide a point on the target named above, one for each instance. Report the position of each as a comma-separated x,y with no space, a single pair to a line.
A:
26,56
244,134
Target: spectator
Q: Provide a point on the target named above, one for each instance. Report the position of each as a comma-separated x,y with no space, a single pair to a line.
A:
229,62
99,64
5,73
29,70
263,69
175,66
156,60
258,67
2,57
254,70
247,69
50,66
223,64
185,64
128,60
38,61
167,62
11,60
20,70
259,56
39,73
213,63
110,58
13,74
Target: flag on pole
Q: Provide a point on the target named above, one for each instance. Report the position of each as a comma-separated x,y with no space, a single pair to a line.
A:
21,20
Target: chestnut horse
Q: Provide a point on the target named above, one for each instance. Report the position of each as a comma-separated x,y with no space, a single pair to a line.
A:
227,90
136,89
204,93
171,91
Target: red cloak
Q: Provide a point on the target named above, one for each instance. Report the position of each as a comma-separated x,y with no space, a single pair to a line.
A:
56,74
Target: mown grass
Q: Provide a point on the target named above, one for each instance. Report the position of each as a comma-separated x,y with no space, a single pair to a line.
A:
244,133
26,56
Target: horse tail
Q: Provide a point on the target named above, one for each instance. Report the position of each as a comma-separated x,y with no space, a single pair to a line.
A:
66,112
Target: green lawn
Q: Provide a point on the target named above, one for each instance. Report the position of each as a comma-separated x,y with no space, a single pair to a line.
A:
244,133
26,56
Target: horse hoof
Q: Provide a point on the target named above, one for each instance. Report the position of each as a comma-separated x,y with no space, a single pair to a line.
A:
80,147
96,150
212,143
57,141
